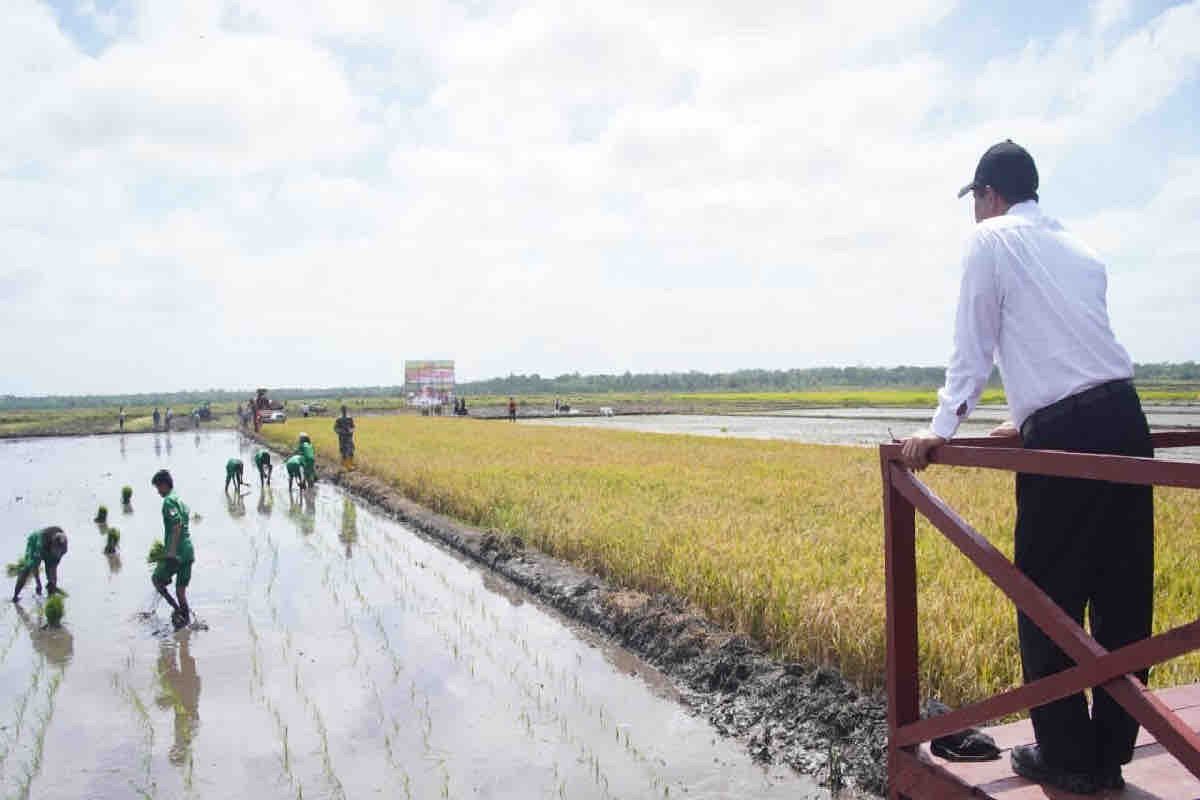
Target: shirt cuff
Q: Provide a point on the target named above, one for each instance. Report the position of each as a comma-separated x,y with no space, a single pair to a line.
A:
944,423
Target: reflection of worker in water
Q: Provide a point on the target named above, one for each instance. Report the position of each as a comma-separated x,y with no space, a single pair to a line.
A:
262,462
234,470
266,501
349,532
343,426
180,685
49,545
179,555
236,504
57,645
308,457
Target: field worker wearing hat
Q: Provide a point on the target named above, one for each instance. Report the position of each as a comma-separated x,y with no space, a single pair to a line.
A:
49,545
178,554
1033,301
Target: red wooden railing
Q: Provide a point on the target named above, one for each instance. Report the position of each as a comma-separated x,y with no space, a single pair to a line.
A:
903,495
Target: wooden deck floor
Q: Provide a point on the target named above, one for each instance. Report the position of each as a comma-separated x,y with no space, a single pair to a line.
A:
1152,775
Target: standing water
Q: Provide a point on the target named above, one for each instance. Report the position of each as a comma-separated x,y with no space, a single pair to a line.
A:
338,654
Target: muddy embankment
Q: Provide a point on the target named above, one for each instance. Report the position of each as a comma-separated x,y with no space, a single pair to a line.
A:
807,717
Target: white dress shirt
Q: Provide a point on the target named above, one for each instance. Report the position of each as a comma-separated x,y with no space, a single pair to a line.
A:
1032,301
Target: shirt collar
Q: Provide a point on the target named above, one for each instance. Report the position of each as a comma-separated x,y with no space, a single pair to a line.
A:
1025,208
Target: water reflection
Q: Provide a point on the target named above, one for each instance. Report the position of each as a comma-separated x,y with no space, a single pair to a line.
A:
349,532
235,504
168,441
302,510
122,447
114,563
157,445
56,645
179,686
266,502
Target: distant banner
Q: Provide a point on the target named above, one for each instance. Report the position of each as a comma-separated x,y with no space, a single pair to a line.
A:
429,379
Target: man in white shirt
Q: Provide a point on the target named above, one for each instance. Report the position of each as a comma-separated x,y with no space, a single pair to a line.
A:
1032,301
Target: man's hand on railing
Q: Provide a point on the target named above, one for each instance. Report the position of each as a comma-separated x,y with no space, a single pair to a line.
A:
915,452
1005,429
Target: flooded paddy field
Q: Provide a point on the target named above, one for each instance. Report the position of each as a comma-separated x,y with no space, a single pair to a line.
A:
853,426
338,655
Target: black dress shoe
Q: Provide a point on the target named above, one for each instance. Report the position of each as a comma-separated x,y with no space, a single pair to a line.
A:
1027,762
1110,778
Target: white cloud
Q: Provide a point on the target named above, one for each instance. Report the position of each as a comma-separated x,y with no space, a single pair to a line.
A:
309,193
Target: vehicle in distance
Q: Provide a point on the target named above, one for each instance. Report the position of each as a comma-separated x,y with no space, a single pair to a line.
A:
274,416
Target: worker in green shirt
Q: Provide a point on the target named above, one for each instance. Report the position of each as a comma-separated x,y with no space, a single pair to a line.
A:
177,560
304,449
262,462
233,473
295,471
49,545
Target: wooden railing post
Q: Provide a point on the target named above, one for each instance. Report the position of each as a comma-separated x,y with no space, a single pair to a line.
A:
900,559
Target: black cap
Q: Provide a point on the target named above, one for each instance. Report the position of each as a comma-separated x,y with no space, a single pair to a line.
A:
1009,169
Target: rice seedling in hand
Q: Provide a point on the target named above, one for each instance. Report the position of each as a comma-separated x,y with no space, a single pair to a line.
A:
157,553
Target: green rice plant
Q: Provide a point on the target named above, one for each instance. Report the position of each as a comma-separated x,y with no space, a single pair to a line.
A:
101,515
13,568
112,538
54,610
126,495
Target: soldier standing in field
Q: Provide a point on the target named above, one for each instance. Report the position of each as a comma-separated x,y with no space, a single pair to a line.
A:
343,426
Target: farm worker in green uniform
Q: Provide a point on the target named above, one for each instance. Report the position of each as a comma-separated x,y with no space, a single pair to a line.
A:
178,557
295,471
233,472
49,545
305,450
262,462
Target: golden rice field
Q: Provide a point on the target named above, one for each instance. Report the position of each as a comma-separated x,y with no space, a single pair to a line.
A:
780,540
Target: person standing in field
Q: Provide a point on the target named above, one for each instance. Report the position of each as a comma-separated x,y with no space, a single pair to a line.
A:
343,426
157,418
234,469
121,419
49,545
178,555
170,416
262,462
512,410
1033,298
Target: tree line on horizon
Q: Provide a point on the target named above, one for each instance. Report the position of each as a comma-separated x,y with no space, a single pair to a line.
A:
746,380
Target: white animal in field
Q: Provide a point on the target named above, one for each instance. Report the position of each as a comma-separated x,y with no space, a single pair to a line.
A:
606,411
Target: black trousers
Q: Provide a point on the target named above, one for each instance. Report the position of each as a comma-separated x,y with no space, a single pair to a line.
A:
1090,546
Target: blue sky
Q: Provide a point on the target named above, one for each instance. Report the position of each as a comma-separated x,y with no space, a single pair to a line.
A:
255,192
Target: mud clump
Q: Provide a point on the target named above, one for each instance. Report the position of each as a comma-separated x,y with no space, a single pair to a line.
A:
806,716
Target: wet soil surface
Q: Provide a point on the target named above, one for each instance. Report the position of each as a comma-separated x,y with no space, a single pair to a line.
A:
806,717
339,654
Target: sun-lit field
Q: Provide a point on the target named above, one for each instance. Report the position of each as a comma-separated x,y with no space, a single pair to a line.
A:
780,540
